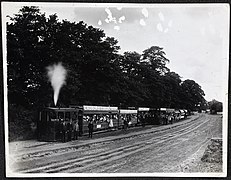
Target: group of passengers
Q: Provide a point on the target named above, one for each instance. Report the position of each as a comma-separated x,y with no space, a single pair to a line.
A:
165,118
127,120
69,130
170,117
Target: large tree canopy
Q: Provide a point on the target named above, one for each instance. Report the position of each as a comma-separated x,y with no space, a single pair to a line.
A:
97,73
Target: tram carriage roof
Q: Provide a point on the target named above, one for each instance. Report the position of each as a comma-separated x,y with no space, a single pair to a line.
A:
128,111
59,109
154,109
167,109
143,109
99,109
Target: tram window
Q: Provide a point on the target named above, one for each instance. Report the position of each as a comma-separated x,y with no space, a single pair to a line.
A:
67,116
52,115
74,116
60,115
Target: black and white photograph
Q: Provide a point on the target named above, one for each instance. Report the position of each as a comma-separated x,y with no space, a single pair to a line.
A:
115,89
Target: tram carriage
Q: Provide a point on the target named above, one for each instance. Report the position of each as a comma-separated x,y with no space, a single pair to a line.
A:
154,117
104,117
130,115
142,115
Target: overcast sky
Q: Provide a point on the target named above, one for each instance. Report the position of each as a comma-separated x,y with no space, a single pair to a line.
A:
194,37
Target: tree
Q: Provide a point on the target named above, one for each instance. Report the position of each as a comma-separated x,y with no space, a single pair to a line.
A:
23,58
215,106
171,88
134,74
155,57
192,94
154,61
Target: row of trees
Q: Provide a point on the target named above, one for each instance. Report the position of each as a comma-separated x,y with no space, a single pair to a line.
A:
97,73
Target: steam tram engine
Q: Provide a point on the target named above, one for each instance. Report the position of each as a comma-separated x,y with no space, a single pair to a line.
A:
51,120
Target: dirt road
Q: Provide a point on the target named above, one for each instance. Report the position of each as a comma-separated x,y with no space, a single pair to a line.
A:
168,148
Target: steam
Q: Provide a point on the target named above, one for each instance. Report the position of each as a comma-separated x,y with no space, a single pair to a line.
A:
57,76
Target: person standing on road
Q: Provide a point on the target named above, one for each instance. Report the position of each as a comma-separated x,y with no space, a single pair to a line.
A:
64,130
125,124
170,118
90,128
69,130
143,117
165,119
76,130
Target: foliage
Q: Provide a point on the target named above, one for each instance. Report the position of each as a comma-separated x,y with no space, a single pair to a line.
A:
215,106
22,123
192,94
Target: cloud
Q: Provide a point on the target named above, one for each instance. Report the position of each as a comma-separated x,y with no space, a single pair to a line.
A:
142,22
122,18
145,12
106,20
99,22
131,14
117,28
110,18
161,16
111,15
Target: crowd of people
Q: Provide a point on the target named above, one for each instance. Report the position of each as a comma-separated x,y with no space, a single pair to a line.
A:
70,130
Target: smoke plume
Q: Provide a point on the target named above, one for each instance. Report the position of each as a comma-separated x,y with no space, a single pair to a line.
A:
57,76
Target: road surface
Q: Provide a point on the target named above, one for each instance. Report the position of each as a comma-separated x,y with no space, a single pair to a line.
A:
154,149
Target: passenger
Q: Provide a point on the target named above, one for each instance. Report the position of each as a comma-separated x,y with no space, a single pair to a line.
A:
69,131
110,123
76,130
64,131
129,120
173,117
170,118
80,122
166,119
143,119
59,130
125,124
90,128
